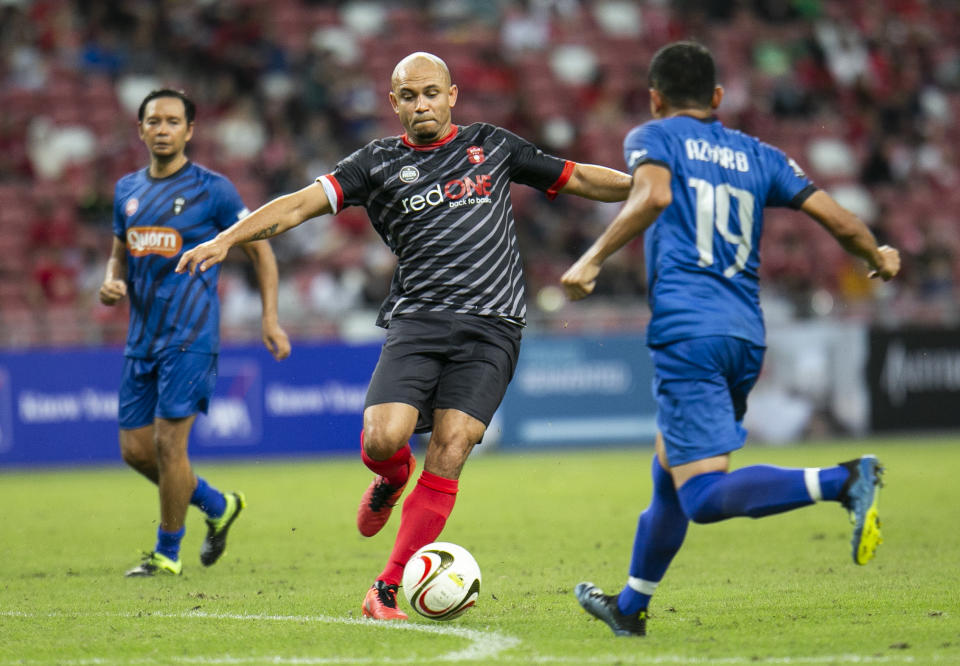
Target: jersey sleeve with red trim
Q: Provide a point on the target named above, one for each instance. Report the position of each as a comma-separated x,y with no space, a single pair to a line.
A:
531,166
350,183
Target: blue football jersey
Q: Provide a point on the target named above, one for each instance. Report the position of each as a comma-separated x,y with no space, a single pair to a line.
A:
158,219
703,252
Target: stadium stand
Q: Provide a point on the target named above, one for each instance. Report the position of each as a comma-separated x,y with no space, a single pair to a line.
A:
862,94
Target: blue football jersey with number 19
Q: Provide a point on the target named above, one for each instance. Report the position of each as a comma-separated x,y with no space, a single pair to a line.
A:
702,253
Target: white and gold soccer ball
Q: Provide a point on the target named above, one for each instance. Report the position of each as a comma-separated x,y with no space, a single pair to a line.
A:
441,580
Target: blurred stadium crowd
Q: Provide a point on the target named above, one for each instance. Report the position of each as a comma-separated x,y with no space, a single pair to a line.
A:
862,93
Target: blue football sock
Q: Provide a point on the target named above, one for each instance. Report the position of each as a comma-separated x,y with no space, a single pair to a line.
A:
660,533
755,491
832,480
168,543
208,499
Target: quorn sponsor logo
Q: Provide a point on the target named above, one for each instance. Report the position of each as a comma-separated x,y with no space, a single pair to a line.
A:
164,241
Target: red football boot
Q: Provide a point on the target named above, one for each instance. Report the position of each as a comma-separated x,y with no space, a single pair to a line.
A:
381,603
378,501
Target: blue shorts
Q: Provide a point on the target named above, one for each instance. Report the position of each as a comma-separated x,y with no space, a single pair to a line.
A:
172,385
701,387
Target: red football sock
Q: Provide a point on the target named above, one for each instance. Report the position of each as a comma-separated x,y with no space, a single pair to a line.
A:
425,512
393,469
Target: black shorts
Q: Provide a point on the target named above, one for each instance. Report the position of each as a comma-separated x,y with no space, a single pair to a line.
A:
443,360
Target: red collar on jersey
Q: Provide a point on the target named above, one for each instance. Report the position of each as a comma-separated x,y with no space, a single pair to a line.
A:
436,144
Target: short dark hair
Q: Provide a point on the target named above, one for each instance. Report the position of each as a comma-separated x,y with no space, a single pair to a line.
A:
188,106
685,74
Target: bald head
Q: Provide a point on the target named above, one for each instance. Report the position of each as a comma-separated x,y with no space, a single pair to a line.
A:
422,96
418,65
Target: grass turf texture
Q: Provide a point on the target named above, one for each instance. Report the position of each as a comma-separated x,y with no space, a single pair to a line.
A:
288,590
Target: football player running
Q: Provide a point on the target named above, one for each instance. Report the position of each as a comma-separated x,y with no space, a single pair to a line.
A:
439,196
698,194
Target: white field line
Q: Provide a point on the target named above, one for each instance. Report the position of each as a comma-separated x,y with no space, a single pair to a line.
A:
718,661
484,646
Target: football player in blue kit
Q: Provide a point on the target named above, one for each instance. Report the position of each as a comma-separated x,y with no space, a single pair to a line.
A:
439,196
698,193
170,358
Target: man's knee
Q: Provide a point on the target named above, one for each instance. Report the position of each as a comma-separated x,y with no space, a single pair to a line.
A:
137,449
136,456
382,440
387,428
456,430
455,445
698,501
170,440
170,450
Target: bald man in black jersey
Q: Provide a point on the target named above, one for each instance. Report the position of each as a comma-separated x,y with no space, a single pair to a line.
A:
439,196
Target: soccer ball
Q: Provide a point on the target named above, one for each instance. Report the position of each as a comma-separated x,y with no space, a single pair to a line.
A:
441,581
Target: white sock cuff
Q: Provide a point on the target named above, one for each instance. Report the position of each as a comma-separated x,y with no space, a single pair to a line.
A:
811,476
642,586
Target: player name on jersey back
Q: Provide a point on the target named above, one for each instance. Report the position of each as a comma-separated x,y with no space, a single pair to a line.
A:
728,158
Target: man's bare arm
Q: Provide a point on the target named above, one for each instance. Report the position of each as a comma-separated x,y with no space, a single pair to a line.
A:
851,232
269,220
268,278
597,182
649,195
114,286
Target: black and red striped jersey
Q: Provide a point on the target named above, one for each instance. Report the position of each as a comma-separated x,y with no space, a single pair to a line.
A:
444,209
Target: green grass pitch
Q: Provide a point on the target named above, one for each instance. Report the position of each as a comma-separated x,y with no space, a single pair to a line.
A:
780,590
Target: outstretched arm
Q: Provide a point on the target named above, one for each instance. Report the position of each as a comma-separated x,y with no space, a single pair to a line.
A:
855,237
269,220
649,195
597,182
265,266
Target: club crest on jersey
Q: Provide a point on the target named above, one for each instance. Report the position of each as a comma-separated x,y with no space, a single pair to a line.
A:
475,155
178,205
132,205
409,174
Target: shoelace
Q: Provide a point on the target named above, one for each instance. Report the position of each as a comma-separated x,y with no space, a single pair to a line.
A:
149,561
381,493
847,502
388,595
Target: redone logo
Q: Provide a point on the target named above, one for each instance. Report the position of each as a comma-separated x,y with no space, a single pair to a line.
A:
454,190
